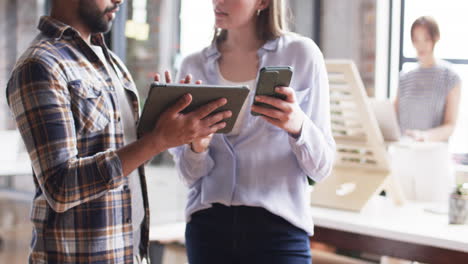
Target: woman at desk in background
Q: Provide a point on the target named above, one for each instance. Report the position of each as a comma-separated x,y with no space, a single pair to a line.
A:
248,199
428,96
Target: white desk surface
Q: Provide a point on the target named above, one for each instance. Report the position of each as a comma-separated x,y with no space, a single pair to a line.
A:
15,167
409,223
168,233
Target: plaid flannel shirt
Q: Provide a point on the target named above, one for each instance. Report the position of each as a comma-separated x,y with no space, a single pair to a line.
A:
66,109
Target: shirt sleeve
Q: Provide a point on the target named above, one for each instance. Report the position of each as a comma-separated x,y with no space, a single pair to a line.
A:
315,146
453,79
40,101
191,166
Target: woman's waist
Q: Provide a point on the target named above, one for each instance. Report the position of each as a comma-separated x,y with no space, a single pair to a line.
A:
251,218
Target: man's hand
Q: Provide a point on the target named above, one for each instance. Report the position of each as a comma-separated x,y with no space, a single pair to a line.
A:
288,115
175,128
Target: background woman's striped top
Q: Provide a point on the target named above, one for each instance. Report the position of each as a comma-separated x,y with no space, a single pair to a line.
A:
423,94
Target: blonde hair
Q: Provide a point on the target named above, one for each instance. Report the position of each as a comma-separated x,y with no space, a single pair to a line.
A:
271,23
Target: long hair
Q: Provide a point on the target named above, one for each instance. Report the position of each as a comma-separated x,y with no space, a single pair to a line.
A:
271,23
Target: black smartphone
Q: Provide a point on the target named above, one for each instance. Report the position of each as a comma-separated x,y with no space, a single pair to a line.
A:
270,78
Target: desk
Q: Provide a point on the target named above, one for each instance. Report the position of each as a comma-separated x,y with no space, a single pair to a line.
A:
407,232
168,233
14,159
13,168
10,169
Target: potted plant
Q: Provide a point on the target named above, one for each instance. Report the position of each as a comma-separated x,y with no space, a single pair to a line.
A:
458,205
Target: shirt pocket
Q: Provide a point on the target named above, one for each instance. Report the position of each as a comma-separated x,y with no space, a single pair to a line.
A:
89,107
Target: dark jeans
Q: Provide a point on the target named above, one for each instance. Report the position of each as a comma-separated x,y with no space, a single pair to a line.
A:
244,235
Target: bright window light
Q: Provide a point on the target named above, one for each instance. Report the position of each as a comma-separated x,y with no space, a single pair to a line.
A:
452,19
197,24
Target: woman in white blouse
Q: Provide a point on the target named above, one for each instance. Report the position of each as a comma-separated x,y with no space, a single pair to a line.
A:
248,200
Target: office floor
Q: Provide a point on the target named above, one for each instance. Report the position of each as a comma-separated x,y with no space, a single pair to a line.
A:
15,231
14,250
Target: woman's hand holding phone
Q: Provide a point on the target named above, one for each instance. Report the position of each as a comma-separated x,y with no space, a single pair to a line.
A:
287,115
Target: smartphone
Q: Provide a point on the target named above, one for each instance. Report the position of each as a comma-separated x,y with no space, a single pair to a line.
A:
270,78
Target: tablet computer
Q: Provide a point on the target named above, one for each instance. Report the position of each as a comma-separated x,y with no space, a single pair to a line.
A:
163,95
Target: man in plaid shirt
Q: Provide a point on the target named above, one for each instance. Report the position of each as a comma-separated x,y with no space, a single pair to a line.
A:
76,107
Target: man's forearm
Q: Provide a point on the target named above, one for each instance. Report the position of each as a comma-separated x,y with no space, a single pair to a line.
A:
137,153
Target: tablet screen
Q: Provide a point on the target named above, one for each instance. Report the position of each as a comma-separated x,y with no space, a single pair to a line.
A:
161,96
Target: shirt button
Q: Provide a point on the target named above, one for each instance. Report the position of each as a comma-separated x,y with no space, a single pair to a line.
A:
118,119
128,220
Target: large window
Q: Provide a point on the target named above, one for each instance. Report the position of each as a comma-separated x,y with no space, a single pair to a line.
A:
452,47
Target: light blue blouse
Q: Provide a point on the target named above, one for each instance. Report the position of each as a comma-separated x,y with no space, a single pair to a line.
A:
264,166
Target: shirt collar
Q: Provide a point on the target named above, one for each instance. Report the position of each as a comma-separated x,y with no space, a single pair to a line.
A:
56,29
270,45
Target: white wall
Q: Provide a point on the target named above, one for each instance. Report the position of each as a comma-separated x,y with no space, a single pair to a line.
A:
340,29
348,32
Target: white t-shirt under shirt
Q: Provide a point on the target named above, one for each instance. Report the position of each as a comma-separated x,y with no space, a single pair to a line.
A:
130,135
243,112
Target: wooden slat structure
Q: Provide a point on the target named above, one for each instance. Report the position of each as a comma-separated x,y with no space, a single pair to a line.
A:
362,166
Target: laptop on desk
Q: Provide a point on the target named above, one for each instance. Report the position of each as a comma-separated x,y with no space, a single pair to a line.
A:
384,112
